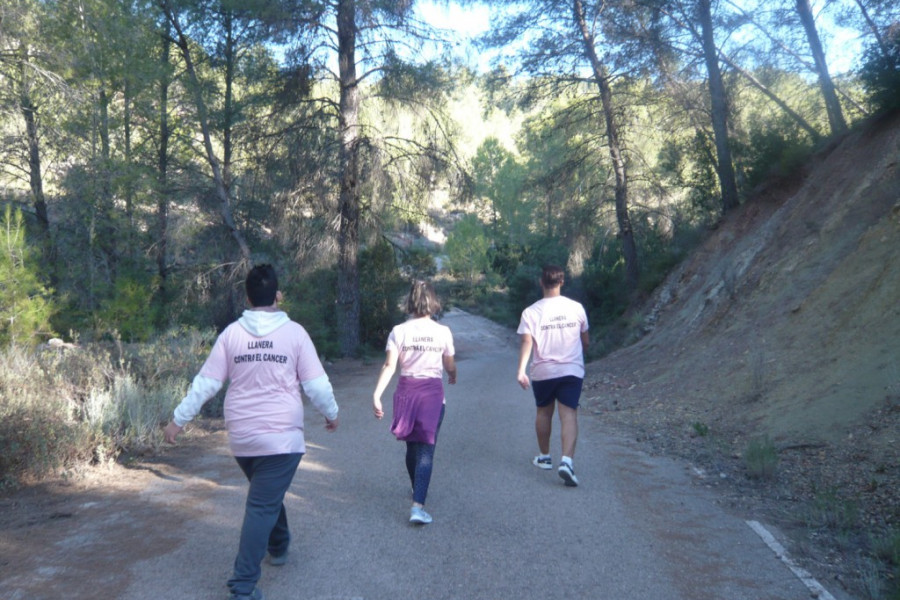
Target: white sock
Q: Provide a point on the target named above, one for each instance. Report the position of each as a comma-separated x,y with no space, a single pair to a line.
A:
543,456
567,460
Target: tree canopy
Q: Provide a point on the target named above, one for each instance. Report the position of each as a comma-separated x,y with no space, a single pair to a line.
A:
156,148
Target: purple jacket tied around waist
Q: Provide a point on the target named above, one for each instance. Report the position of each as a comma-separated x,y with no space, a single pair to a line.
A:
417,409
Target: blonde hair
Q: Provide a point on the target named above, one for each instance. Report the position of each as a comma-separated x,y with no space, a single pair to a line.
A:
422,300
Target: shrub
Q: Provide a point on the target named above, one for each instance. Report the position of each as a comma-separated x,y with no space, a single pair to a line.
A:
775,151
310,300
63,407
25,306
467,249
830,510
381,288
880,72
419,263
128,312
761,458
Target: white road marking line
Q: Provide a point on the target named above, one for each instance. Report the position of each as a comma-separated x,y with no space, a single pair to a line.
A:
808,580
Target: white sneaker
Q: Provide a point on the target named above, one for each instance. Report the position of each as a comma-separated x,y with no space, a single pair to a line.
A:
418,516
567,473
542,462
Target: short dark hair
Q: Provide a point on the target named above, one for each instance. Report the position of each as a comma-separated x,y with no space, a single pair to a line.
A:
422,300
261,285
552,276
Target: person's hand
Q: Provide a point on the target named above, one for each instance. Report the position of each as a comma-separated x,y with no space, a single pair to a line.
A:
331,424
171,431
524,381
451,378
377,408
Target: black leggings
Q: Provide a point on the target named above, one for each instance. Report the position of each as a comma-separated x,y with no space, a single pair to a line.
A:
419,462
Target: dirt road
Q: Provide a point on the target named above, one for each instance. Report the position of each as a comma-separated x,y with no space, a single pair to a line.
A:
636,527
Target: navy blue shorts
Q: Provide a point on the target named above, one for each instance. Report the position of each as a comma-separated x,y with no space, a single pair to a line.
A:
565,390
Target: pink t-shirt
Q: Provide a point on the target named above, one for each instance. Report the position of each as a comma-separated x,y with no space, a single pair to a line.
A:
421,344
263,406
556,325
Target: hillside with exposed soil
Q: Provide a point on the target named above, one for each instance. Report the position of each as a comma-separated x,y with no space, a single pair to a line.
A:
783,329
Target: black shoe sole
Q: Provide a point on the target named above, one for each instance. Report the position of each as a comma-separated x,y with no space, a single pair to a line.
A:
568,479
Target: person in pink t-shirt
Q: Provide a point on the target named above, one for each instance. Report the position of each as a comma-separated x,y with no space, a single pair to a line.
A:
424,350
555,328
267,359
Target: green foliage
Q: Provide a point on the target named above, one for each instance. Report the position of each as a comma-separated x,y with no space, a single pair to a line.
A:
700,428
402,80
830,509
663,241
25,304
761,458
688,165
604,284
499,181
129,311
511,282
887,547
887,550
381,288
522,264
419,263
310,300
505,258
880,72
467,249
774,151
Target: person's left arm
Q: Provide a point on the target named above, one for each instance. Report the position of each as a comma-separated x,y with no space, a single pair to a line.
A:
314,381
321,394
585,334
450,367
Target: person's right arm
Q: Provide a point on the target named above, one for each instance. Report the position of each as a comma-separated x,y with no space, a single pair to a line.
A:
384,378
524,355
202,389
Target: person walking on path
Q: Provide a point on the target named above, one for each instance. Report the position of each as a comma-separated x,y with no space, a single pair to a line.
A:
424,350
556,329
266,358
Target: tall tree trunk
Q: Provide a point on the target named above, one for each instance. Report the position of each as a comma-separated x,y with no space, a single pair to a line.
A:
234,265
228,116
348,235
601,77
832,104
724,164
162,175
107,233
876,31
35,177
129,185
791,51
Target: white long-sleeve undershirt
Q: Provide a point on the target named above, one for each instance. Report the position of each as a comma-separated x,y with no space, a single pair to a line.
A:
321,394
318,390
202,389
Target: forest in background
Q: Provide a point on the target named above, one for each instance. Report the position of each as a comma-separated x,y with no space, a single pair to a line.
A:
154,149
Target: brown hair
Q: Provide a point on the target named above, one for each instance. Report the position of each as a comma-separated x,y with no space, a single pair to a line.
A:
552,276
422,300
